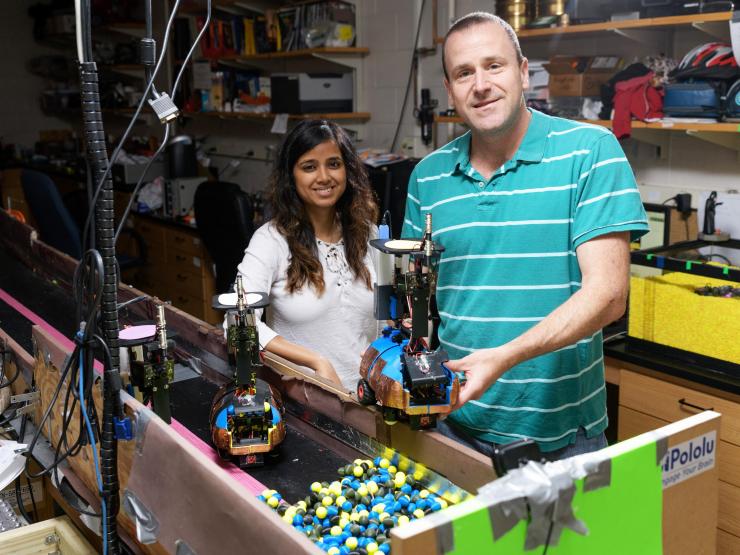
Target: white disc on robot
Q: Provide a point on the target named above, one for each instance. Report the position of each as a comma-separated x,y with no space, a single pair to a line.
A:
229,299
403,245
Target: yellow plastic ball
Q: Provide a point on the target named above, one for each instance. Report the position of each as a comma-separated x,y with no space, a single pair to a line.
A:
268,493
362,490
371,548
379,508
321,512
424,493
335,531
333,550
384,463
354,517
443,503
316,487
383,516
273,502
351,543
358,471
340,500
326,501
363,512
418,513
392,470
372,488
403,464
403,519
343,522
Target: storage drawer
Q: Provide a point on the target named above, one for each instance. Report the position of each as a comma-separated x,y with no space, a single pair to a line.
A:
672,402
187,283
191,305
727,544
152,233
633,423
179,261
184,241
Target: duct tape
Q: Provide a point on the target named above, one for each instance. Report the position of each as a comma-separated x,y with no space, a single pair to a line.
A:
599,475
445,538
147,525
181,548
143,417
505,515
661,448
551,517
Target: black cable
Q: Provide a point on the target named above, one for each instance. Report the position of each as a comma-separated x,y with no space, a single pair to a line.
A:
33,500
721,256
412,68
165,139
12,380
19,500
549,535
105,173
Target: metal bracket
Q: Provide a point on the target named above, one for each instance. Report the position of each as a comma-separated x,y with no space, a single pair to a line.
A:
22,397
147,525
181,548
652,38
727,140
716,29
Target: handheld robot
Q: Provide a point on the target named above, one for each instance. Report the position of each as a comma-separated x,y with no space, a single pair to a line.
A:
246,414
398,369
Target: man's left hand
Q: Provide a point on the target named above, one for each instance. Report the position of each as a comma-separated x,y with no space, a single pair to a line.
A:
481,369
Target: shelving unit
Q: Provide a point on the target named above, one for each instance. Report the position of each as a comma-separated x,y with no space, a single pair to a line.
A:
306,53
714,24
312,60
339,116
723,134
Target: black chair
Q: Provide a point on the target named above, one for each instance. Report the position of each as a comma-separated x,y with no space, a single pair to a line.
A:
56,225
224,216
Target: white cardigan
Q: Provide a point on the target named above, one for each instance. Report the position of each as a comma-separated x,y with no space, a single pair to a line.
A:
338,324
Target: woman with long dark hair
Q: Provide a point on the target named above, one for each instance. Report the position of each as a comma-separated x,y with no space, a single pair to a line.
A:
313,257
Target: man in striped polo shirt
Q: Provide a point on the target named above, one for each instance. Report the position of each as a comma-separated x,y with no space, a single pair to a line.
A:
535,213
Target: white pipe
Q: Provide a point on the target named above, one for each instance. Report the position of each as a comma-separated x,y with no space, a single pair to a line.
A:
78,31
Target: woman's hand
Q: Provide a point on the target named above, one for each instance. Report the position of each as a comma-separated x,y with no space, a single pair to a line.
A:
325,369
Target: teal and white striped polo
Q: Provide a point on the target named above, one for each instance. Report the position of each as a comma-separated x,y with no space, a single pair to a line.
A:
510,260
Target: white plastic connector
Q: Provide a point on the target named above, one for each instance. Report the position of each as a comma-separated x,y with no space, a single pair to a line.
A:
164,108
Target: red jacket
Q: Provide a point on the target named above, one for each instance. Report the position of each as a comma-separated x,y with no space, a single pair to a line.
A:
635,98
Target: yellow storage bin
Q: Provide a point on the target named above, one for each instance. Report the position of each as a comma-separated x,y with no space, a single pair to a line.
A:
56,535
666,310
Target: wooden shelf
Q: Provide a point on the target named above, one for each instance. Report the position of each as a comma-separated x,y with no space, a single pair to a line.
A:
305,53
724,127
699,21
358,116
653,22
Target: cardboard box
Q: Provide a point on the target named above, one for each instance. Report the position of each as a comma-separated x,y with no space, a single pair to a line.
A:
580,75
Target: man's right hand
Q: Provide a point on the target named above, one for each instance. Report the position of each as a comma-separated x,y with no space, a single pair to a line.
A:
481,369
